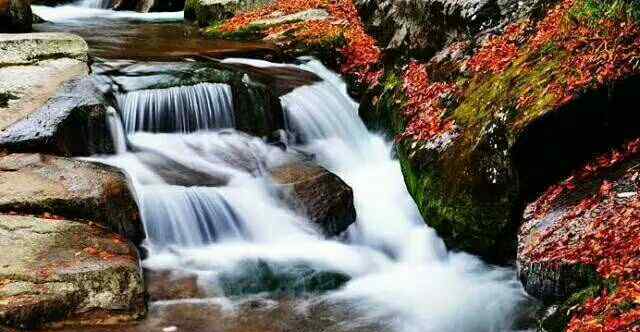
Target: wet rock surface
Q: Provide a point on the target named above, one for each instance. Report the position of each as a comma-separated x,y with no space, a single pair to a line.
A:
72,123
318,194
165,285
74,189
56,269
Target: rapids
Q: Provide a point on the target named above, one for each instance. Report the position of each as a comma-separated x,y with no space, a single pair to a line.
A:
211,209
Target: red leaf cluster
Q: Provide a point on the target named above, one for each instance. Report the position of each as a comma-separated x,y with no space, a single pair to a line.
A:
615,312
360,54
499,52
542,205
424,109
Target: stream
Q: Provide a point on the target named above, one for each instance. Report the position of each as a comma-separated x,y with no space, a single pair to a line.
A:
262,265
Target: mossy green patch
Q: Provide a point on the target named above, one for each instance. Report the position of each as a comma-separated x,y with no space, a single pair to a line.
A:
592,12
248,33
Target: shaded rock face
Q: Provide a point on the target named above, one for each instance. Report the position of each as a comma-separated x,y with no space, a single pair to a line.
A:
421,28
204,12
15,16
72,123
318,194
53,270
79,190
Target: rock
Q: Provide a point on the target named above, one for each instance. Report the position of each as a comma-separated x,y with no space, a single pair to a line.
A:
319,194
73,189
303,16
25,49
15,16
53,270
166,285
205,12
31,86
72,123
421,28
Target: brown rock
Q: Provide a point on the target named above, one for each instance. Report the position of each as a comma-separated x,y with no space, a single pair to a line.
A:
318,193
54,270
42,184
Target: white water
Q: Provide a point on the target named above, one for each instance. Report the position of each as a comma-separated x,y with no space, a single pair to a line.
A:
177,109
74,14
402,276
104,4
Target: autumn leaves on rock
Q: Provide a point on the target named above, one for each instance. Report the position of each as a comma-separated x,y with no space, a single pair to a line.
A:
358,50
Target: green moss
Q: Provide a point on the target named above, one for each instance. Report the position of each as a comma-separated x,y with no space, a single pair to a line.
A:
248,33
5,97
592,12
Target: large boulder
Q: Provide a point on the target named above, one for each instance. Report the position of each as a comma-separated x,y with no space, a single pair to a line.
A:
74,189
72,123
33,67
56,269
205,12
15,16
421,28
482,131
319,194
580,236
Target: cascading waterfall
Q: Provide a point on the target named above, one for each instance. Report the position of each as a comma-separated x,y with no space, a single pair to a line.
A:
401,275
177,109
104,4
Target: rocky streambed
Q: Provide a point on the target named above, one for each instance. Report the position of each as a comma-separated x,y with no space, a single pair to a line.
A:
149,183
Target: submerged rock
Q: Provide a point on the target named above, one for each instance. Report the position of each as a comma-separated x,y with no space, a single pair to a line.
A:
15,16
54,269
319,194
72,123
73,189
164,285
205,12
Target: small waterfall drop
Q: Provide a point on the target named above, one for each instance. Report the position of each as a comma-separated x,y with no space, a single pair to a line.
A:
178,109
103,4
209,206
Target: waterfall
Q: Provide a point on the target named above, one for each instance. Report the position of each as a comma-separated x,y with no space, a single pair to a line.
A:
209,206
104,4
117,131
178,109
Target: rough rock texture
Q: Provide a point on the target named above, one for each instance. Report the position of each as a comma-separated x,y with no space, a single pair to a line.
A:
166,285
31,86
72,123
421,28
580,236
53,269
35,183
319,194
15,16
24,49
205,12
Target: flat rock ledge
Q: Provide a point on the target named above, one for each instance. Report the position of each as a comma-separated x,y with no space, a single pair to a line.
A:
61,270
29,48
69,188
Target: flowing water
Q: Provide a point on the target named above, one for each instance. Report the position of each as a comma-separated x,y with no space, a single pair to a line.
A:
211,209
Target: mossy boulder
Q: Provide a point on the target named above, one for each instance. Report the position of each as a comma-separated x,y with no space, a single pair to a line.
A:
74,189
60,270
